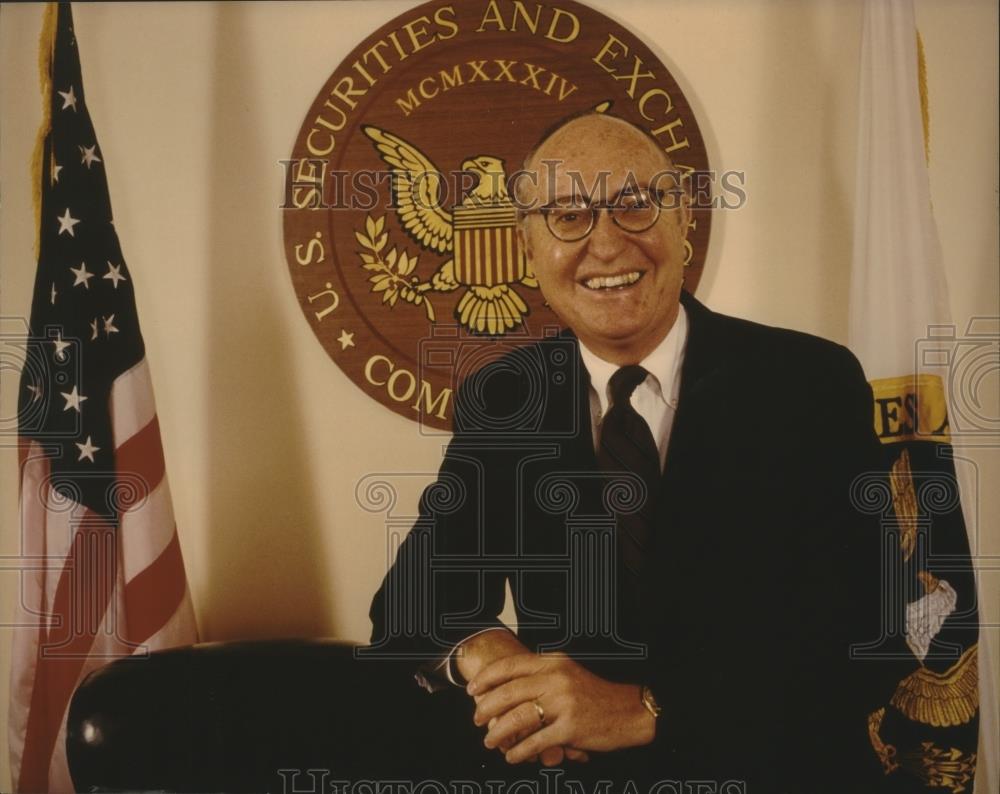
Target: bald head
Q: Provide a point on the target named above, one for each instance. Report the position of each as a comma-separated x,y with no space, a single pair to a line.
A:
599,128
586,138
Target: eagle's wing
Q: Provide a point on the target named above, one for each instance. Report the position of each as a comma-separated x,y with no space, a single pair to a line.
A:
416,187
926,616
443,279
941,699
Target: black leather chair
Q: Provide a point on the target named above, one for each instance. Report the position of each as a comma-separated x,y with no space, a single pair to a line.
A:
258,716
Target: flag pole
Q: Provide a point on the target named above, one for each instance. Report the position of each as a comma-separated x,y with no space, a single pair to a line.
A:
46,47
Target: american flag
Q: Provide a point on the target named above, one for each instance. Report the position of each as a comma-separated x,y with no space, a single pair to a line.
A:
102,574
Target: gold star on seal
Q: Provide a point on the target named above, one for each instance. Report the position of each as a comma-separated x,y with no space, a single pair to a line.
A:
346,339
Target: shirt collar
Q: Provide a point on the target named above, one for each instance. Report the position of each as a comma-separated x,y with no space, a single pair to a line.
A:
663,365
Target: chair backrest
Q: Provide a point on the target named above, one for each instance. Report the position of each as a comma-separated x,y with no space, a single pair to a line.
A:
258,716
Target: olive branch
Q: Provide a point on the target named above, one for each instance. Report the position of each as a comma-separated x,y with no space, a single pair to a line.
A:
392,275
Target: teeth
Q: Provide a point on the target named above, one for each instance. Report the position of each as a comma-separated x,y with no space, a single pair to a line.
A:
609,282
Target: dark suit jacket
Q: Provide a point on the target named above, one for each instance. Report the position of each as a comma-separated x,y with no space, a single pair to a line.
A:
761,576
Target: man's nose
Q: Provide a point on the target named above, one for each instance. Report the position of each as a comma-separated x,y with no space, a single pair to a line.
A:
606,239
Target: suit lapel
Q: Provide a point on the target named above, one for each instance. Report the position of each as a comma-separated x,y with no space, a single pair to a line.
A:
705,355
703,370
705,364
568,411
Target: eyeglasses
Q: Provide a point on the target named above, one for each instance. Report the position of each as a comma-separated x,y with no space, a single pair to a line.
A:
632,212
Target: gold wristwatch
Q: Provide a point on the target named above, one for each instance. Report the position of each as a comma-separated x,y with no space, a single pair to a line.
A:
648,701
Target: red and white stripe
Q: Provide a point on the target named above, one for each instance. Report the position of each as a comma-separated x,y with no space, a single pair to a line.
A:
89,594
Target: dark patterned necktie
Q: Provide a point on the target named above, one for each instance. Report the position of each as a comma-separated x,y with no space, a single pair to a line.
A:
627,445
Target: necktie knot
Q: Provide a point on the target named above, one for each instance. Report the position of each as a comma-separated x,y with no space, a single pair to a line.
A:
624,382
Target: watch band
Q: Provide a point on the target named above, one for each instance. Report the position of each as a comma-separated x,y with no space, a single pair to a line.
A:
648,701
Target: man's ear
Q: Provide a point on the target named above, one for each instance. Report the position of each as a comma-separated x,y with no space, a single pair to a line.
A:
686,205
685,211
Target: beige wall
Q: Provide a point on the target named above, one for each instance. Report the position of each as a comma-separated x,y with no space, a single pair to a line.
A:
265,439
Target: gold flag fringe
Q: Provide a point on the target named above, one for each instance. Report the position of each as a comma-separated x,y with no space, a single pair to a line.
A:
46,47
925,108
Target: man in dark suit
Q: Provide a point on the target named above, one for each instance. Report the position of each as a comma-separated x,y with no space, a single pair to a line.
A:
671,496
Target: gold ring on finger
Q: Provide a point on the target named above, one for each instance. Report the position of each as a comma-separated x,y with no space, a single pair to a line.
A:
540,710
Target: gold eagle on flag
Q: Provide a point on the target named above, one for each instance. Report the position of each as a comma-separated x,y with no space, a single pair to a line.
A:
479,234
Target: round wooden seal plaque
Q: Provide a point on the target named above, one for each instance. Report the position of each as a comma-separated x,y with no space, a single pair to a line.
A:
400,243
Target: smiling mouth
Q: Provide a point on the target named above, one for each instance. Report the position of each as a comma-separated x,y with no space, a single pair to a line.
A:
613,282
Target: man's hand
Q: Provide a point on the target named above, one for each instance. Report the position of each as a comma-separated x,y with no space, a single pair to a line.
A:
482,651
582,710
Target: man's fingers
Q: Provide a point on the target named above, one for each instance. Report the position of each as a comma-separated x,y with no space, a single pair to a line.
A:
551,756
516,724
505,697
515,735
509,742
535,744
501,671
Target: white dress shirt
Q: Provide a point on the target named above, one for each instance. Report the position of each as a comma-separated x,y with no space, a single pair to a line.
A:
655,400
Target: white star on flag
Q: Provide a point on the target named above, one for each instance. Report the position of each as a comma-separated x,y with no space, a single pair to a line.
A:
36,390
52,295
69,99
89,156
115,274
67,222
60,347
83,275
87,450
109,326
56,168
73,400
93,329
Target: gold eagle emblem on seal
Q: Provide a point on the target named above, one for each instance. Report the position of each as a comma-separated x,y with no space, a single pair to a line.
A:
479,234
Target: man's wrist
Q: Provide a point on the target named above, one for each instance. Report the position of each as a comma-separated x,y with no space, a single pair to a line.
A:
450,665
